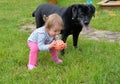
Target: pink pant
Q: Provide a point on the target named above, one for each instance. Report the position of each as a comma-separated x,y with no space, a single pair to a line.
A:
34,53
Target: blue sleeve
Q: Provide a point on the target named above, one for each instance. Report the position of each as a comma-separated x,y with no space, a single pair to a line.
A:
41,42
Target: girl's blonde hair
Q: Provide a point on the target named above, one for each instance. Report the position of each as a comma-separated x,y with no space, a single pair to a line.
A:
53,20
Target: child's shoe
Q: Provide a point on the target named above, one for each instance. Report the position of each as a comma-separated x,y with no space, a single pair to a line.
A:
58,61
30,66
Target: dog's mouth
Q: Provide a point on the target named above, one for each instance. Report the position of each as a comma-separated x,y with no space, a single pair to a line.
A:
86,27
85,24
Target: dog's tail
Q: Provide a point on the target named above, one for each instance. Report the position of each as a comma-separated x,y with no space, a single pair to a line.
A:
33,14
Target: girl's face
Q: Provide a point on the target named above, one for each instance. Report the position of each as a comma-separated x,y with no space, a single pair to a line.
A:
54,31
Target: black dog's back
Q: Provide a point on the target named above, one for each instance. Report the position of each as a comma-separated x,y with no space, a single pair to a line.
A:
46,9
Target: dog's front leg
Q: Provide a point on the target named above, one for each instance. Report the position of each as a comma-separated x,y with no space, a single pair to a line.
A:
75,39
64,38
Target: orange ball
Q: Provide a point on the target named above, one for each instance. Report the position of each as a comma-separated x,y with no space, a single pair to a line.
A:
59,45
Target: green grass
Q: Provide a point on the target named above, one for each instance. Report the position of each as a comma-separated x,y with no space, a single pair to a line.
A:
97,63
106,22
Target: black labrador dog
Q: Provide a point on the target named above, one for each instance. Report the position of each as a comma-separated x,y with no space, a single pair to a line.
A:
75,17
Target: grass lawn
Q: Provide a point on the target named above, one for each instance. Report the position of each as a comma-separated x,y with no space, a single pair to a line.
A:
97,63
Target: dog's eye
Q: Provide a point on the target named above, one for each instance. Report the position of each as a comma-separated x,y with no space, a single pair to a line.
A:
81,16
78,18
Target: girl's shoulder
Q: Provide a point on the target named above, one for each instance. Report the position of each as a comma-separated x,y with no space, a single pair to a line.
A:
41,30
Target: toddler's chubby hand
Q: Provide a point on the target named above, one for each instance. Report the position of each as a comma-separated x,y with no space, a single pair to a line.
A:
65,45
52,44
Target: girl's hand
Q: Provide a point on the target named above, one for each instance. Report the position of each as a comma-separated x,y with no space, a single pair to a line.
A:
65,45
52,44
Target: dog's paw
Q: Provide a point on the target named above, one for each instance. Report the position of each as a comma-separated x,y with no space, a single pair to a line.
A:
75,47
80,49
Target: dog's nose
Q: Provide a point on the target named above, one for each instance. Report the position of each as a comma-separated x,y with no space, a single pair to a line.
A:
86,22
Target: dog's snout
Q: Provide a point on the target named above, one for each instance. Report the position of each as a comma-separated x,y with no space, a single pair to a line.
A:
86,22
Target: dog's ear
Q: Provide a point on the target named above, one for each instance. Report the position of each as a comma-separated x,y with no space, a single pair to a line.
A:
45,18
74,11
92,9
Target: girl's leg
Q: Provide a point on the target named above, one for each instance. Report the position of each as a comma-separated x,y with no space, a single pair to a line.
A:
33,54
54,54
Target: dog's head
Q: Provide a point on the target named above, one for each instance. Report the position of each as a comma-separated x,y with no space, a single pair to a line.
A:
82,14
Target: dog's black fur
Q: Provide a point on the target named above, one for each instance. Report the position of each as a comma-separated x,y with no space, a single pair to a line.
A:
75,17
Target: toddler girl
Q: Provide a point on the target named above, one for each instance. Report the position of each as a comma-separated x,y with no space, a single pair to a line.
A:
43,39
